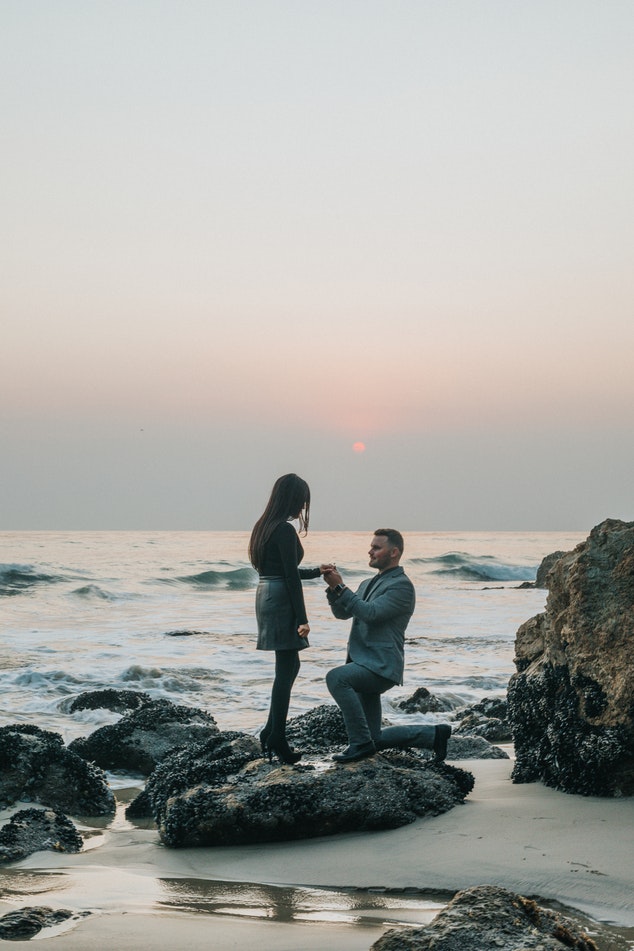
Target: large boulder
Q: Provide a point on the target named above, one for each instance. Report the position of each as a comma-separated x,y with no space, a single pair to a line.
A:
34,830
571,702
142,738
486,917
227,794
547,563
213,761
35,766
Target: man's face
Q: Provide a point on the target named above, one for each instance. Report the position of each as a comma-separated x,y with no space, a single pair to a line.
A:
381,554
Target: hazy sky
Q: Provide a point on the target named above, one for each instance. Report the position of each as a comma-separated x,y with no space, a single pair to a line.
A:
241,235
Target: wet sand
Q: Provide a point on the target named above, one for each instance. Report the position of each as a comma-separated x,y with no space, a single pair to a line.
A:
340,892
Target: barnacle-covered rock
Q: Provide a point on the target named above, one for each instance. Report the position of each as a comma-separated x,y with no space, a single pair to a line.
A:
142,738
35,766
33,830
486,917
200,798
571,702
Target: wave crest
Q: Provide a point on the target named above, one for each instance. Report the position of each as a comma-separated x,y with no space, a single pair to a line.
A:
466,567
235,579
18,579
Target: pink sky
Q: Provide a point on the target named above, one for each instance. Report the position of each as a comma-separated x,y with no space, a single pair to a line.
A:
241,236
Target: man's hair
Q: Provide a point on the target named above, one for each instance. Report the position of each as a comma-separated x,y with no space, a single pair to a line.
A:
394,538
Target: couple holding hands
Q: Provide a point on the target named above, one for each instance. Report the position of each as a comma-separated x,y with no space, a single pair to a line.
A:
380,610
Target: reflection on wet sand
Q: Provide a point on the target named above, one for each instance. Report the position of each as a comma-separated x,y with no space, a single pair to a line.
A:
370,907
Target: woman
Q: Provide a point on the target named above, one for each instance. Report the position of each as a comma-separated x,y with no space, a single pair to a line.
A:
275,552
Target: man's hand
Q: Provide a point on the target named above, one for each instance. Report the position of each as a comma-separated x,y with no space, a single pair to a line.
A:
324,568
332,578
303,630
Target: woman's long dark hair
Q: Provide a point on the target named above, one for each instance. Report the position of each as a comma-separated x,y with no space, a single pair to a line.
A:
290,498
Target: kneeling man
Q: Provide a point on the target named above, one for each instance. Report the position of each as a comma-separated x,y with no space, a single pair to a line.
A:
381,610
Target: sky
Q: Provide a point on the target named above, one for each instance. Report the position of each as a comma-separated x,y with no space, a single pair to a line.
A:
241,236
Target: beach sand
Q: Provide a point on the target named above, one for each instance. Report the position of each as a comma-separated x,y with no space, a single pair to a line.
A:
339,893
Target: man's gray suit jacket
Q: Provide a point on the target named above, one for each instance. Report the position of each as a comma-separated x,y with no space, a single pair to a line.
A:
377,635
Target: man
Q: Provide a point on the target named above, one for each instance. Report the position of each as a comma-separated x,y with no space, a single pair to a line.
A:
381,610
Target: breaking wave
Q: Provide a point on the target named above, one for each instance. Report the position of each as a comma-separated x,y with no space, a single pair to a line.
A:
236,579
466,567
19,579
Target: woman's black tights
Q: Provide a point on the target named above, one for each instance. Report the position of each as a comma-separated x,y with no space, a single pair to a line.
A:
287,666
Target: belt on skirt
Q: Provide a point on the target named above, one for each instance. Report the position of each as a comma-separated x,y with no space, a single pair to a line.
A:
271,578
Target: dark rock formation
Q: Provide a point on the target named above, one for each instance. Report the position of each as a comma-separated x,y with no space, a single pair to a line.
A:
119,701
541,581
487,718
319,730
142,738
485,917
422,701
26,922
472,747
35,766
33,830
571,702
212,762
489,728
227,794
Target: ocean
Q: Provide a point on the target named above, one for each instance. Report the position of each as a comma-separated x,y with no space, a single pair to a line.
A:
172,614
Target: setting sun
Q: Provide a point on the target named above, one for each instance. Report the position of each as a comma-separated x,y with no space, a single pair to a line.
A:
358,447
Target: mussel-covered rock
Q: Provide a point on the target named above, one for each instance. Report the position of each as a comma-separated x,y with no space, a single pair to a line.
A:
34,830
142,738
35,766
197,800
571,702
486,917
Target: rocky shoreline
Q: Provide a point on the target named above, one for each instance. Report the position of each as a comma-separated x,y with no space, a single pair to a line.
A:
569,711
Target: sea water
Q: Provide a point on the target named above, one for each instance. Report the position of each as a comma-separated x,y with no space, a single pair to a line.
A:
172,614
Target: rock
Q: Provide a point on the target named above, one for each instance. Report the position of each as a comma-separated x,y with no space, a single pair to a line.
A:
541,581
489,728
486,917
35,766
487,718
26,922
473,747
119,701
34,830
318,730
491,707
422,701
213,761
571,702
199,800
143,737
185,633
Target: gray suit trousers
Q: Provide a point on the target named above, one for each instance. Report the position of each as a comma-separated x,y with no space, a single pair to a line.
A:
357,691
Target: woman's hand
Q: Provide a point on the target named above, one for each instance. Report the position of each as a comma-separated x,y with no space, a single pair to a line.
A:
324,568
303,630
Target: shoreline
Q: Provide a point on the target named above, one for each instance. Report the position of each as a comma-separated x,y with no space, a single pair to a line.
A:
547,845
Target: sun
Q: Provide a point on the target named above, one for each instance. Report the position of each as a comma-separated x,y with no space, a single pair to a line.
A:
358,447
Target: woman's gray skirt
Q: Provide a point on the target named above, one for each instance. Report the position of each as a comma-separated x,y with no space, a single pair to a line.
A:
277,624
